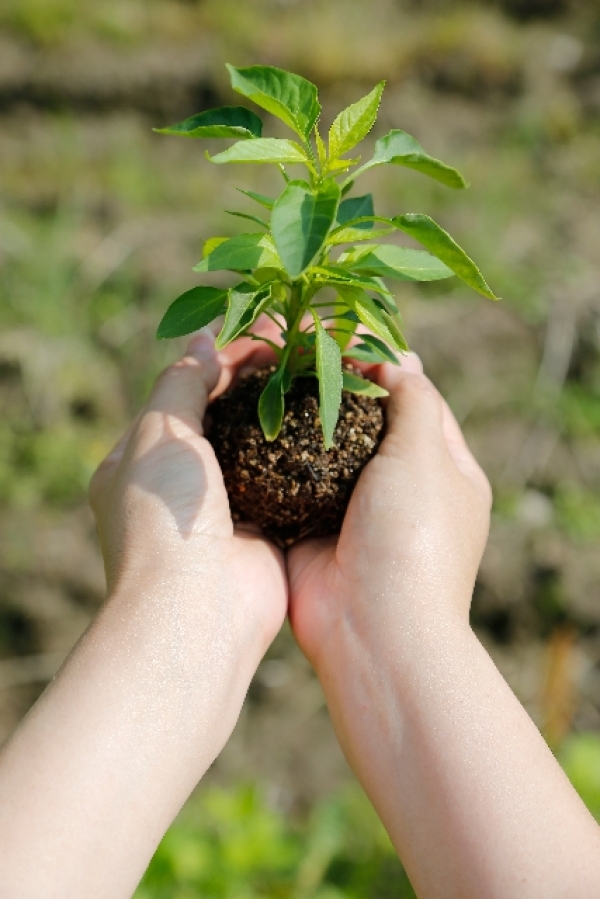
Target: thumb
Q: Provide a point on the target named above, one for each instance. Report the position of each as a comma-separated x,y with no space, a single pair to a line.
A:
183,388
415,412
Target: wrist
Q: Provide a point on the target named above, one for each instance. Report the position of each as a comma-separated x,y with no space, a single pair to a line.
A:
186,620
387,647
377,688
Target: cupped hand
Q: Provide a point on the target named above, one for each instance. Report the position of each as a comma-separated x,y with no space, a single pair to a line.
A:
161,507
413,535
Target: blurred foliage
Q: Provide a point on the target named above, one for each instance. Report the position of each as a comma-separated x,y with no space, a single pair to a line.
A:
231,844
100,221
579,756
578,512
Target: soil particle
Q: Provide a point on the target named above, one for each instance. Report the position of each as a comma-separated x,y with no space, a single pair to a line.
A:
292,487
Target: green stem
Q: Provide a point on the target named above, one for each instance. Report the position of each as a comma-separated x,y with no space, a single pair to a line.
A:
300,297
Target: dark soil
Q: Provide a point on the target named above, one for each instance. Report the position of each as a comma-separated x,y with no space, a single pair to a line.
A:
292,487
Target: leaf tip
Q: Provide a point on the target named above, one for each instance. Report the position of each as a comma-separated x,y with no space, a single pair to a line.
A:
460,183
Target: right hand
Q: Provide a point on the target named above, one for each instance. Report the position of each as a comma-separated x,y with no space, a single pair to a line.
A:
413,535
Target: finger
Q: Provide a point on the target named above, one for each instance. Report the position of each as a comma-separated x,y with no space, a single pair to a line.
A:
237,350
244,355
183,388
414,411
258,355
454,437
409,362
461,455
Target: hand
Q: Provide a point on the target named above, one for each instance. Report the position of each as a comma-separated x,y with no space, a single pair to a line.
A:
162,511
145,702
473,800
413,535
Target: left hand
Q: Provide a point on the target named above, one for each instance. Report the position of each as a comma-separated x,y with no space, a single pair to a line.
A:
162,511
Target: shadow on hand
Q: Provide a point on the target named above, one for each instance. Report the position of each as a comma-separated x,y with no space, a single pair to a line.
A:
179,469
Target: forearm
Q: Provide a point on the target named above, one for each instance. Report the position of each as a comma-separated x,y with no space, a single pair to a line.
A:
104,761
473,800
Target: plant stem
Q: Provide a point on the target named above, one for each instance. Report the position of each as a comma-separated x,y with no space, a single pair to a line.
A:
300,297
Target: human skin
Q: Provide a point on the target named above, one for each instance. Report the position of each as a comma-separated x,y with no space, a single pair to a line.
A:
473,799
471,796
99,768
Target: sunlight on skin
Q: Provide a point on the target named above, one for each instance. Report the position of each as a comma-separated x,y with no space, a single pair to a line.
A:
148,698
472,797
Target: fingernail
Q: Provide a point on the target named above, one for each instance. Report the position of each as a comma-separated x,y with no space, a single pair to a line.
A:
202,344
411,363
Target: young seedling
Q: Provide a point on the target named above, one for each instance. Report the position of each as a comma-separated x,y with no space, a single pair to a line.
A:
313,236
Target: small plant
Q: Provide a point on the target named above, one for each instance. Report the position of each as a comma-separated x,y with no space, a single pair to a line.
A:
313,236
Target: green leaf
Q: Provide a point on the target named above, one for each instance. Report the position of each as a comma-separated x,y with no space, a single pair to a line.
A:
322,152
267,202
211,244
354,208
355,235
337,274
193,310
387,302
372,349
287,96
271,406
243,308
246,215
348,316
300,221
354,123
227,121
439,242
329,372
343,327
399,148
264,275
340,165
241,253
375,319
355,384
262,149
392,322
401,263
286,380
278,350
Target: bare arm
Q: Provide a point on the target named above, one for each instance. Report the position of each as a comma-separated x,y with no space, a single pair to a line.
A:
104,761
473,799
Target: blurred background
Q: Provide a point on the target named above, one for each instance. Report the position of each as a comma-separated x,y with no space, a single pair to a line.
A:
100,223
